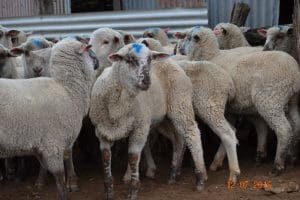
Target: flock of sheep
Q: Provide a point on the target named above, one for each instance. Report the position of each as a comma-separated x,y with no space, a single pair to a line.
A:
134,88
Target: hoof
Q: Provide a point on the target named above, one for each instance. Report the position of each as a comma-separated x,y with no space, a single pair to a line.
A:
109,196
132,196
200,179
215,166
233,178
276,172
126,179
171,181
150,173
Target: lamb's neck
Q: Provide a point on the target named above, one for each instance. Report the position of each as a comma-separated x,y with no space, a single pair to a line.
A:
103,63
121,99
78,85
206,52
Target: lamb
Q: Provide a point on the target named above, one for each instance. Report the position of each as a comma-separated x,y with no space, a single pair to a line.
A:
282,38
212,86
105,41
265,83
160,35
230,36
134,94
62,101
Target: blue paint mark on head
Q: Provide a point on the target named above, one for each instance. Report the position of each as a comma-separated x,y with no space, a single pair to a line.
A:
37,42
137,48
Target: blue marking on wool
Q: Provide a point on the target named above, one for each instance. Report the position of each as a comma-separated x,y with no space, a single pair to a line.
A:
137,47
37,42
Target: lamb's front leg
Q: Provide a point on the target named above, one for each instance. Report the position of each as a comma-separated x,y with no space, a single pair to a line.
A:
72,179
105,148
136,145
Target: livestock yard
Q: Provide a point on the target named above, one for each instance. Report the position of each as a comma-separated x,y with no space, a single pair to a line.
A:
149,99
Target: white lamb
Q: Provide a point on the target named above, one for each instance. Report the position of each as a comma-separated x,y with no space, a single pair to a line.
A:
265,83
134,94
43,116
104,42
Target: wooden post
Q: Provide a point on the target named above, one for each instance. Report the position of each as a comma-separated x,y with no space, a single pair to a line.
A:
239,13
117,4
46,7
297,25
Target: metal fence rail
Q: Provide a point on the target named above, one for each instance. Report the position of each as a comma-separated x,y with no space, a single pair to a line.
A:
132,21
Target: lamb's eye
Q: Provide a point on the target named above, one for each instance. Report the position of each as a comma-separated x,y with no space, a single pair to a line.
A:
196,38
105,42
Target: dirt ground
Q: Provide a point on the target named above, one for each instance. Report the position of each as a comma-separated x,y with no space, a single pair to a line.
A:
91,180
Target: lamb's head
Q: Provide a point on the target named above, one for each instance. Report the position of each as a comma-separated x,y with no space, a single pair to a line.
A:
158,34
5,54
229,35
133,63
37,63
105,41
75,57
20,38
6,36
200,44
32,44
281,38
151,43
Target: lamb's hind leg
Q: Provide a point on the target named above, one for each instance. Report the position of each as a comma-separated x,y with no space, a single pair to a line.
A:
274,115
71,177
294,117
261,128
168,130
222,128
184,122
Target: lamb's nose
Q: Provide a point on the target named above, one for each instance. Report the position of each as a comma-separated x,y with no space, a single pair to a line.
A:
37,70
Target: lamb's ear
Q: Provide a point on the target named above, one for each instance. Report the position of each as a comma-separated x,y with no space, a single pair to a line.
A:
81,39
10,54
12,33
179,35
159,55
262,32
115,57
128,38
145,43
17,51
224,31
84,48
29,33
166,30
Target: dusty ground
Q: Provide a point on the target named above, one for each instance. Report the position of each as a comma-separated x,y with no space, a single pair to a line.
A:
91,181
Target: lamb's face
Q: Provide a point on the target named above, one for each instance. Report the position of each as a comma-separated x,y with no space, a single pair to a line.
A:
106,41
134,62
224,32
6,36
280,39
37,62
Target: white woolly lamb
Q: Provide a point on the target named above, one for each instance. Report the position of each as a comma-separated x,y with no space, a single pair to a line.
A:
43,116
131,96
104,42
265,82
230,36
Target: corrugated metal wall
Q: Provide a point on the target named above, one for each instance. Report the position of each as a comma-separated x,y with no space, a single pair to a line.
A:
134,22
161,4
21,8
262,13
